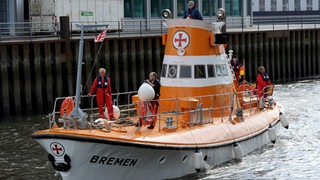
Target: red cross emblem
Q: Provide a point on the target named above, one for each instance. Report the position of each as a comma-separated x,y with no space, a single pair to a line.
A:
180,40
57,149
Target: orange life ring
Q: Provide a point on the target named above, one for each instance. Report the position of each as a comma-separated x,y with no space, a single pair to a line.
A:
66,106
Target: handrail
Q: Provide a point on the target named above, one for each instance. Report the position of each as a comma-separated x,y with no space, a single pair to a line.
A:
30,31
198,115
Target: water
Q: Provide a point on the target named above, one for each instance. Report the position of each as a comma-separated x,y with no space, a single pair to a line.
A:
295,155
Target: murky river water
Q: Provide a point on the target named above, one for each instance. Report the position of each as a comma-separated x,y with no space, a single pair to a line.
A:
296,154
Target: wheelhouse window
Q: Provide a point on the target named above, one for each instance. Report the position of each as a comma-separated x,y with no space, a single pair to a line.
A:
211,72
164,70
185,71
199,71
221,70
158,5
172,72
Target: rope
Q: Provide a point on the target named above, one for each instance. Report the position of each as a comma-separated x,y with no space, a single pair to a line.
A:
94,62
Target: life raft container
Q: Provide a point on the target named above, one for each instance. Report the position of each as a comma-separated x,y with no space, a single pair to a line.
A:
66,106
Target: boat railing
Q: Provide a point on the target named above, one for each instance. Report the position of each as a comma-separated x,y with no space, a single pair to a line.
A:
187,111
88,105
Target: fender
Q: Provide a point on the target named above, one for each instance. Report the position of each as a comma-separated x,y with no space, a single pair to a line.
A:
60,166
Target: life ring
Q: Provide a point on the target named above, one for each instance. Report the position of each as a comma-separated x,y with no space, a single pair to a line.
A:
172,72
146,113
66,106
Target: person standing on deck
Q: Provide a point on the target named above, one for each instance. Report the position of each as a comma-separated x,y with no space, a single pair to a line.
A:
263,81
192,12
235,64
155,84
102,87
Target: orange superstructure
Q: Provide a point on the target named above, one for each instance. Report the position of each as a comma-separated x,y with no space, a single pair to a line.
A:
194,65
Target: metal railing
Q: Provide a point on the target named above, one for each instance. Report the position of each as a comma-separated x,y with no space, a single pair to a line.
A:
182,112
30,31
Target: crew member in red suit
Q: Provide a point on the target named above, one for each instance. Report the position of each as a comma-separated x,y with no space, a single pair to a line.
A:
235,67
263,81
102,87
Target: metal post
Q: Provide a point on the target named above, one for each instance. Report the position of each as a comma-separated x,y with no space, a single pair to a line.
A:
140,27
118,28
242,19
80,55
272,23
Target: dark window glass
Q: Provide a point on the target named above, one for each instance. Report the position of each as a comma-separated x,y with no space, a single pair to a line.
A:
199,71
209,7
185,71
138,8
157,6
127,8
172,72
164,70
228,7
236,6
211,70
181,7
205,8
249,7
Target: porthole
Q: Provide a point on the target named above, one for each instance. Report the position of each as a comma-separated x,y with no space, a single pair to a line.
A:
205,158
172,71
162,160
184,159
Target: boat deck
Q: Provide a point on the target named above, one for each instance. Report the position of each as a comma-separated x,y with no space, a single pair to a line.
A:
182,131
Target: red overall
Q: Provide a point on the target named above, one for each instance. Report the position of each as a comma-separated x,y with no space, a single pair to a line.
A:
261,84
102,87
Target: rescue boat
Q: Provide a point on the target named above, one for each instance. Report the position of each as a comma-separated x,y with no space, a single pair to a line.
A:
204,118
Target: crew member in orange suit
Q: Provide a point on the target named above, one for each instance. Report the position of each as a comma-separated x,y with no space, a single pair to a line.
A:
102,87
263,81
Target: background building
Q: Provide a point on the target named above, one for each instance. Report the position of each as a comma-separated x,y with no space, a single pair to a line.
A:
13,11
285,7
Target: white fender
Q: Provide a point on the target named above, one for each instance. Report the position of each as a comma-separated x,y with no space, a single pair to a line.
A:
146,92
116,112
284,121
237,151
198,160
272,134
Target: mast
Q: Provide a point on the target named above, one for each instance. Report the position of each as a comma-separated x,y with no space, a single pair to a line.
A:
77,114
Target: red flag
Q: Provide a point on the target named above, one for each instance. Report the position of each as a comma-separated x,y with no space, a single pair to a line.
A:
100,37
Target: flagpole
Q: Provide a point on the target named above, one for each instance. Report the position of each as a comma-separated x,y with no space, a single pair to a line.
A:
94,63
77,114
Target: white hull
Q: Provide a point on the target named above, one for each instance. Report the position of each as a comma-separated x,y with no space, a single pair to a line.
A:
101,159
